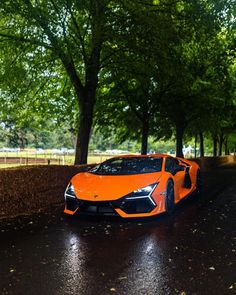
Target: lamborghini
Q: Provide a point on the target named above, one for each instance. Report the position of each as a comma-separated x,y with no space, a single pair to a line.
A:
132,186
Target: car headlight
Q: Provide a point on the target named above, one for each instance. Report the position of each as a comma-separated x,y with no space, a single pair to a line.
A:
143,193
70,191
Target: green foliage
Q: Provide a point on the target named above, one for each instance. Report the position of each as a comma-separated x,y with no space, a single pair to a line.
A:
146,68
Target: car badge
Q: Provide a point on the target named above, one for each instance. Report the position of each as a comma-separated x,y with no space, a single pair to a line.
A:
95,196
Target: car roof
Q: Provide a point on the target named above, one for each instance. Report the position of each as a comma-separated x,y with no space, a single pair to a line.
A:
142,156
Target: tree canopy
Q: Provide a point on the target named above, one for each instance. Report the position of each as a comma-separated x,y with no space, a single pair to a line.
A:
133,68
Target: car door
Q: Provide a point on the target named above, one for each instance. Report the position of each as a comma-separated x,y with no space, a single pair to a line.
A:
172,165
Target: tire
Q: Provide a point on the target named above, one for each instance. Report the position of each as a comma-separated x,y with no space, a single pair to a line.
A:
170,197
198,183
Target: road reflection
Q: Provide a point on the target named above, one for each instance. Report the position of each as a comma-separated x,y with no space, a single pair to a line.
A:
135,256
71,270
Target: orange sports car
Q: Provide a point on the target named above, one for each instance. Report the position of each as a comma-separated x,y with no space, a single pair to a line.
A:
132,186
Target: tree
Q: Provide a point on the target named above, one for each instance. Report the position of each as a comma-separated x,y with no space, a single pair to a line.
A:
73,33
136,76
193,92
58,45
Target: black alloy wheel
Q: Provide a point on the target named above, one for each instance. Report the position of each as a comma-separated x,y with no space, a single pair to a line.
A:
170,197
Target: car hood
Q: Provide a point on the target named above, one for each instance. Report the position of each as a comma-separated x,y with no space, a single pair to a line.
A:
95,187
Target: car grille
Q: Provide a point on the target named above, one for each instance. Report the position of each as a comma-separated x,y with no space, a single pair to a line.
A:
71,204
103,208
134,206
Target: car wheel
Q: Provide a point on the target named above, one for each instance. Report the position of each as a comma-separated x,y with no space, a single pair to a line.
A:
198,183
170,197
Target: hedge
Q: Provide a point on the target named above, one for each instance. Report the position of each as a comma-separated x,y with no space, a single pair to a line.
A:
209,163
27,190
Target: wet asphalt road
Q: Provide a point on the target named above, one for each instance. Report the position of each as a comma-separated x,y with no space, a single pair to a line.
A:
192,252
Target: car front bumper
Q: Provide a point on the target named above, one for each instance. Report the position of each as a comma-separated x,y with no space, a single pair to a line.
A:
135,208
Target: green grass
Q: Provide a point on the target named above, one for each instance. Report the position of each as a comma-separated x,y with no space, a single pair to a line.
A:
25,155
67,159
8,165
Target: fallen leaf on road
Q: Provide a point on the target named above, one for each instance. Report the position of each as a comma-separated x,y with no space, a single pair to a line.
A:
122,278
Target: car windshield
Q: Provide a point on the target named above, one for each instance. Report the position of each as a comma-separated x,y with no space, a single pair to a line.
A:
128,166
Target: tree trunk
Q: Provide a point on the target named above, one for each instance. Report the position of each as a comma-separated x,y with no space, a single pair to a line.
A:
201,139
221,140
215,146
85,126
195,146
226,146
145,132
179,140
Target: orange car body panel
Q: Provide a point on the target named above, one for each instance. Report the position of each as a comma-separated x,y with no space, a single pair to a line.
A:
109,188
93,187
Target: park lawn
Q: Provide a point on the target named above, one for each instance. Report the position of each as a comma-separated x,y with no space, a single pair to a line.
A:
26,154
9,165
68,159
